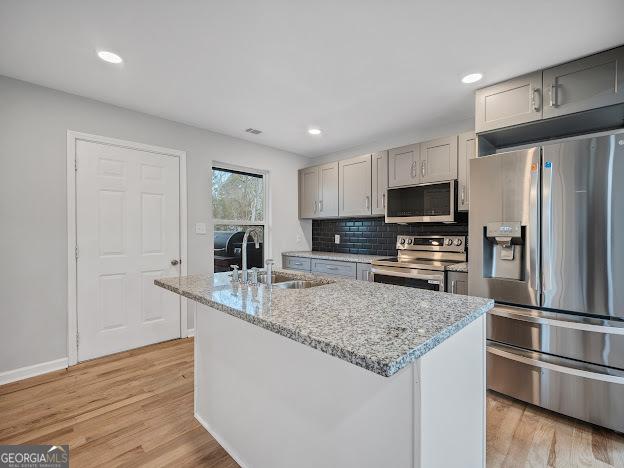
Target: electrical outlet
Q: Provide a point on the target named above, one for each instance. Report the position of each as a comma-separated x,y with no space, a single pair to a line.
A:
200,228
337,239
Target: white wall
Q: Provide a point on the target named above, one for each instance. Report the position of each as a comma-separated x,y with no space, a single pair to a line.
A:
395,140
33,230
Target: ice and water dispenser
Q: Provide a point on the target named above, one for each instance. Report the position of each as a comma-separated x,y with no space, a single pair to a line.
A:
503,250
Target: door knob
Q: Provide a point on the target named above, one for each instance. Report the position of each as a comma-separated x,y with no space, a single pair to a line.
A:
175,261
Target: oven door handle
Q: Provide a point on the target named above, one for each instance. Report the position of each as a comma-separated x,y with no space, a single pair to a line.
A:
408,274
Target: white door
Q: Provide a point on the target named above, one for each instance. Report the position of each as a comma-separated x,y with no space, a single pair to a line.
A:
128,232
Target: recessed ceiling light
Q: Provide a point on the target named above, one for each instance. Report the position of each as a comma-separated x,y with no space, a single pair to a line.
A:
472,78
314,131
109,57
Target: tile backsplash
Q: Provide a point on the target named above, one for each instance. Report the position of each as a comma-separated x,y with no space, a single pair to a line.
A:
373,236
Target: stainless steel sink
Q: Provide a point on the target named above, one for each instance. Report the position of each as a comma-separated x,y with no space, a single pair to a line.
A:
297,284
275,278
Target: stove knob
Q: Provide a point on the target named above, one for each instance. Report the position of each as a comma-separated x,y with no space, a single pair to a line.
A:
409,241
458,242
402,241
449,241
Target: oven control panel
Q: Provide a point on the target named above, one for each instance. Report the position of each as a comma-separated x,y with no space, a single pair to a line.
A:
432,243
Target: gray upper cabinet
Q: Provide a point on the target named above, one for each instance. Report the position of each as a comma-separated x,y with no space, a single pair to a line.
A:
328,190
379,182
589,83
308,192
318,191
355,186
466,150
512,102
438,160
402,165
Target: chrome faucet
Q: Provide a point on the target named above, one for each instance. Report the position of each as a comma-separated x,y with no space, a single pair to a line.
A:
255,235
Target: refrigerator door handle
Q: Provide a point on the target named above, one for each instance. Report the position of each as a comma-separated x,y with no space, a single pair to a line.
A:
546,227
533,227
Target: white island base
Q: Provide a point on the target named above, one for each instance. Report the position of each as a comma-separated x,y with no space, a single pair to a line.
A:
272,402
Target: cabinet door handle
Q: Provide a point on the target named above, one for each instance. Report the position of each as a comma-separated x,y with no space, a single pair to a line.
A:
368,273
321,205
413,170
463,194
367,198
553,95
383,200
332,268
315,206
453,286
536,103
422,168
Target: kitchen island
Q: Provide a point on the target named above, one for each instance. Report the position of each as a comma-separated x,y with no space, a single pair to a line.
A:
344,373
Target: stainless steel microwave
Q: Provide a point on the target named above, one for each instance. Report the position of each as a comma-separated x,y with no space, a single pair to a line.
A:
423,203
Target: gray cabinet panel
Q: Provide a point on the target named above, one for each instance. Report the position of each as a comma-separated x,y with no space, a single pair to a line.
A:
379,182
512,102
333,267
328,190
466,150
402,164
438,160
308,192
364,271
457,282
295,263
589,83
355,186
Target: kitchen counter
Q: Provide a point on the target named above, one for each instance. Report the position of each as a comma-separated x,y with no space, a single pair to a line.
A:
347,373
461,267
379,327
342,257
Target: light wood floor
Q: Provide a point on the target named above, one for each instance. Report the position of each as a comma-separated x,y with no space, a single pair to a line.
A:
136,409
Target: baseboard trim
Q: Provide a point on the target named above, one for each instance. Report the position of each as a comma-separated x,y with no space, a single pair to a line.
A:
190,332
32,371
221,441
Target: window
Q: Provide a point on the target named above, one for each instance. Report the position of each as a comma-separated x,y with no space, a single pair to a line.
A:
238,202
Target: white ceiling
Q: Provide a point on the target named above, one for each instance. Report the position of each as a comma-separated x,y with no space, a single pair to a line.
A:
358,69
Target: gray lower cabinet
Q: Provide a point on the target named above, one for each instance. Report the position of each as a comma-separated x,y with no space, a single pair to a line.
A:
296,263
333,267
511,102
364,271
466,150
588,83
457,282
438,160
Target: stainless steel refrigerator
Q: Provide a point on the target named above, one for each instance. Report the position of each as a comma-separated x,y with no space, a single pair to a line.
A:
546,241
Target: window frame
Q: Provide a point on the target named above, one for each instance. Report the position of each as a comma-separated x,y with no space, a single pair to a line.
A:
265,223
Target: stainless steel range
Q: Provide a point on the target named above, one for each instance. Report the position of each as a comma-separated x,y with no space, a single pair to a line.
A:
421,261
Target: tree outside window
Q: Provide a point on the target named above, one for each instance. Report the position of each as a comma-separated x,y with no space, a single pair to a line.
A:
238,202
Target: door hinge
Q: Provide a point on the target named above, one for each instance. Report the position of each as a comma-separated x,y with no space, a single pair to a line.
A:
76,252
77,339
75,164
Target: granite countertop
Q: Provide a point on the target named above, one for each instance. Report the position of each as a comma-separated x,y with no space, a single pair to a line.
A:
379,327
343,257
462,267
